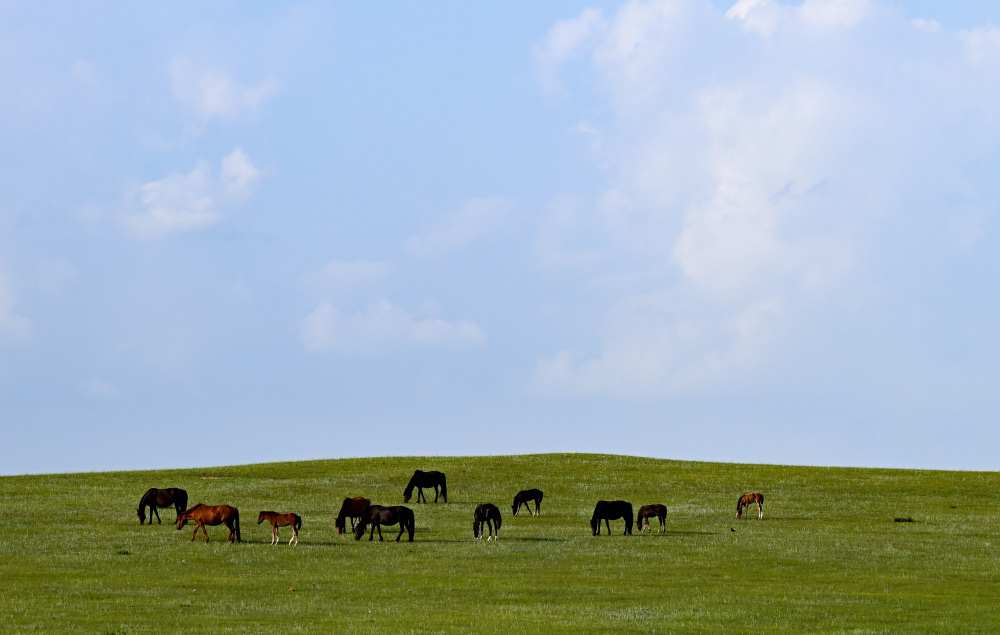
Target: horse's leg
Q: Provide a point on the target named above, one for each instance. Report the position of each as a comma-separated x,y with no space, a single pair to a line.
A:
295,535
760,510
379,525
402,527
606,522
153,507
435,493
274,534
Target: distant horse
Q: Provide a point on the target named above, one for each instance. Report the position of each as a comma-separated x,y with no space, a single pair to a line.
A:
652,511
377,515
524,497
486,514
212,515
281,520
351,508
153,498
611,510
748,499
420,480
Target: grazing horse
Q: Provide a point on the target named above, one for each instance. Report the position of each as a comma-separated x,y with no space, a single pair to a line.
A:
486,514
212,515
749,499
611,510
524,497
652,511
282,520
351,508
420,480
153,498
377,515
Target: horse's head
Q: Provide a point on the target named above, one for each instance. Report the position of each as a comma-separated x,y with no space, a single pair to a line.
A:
516,508
359,529
260,518
142,516
182,520
339,523
595,524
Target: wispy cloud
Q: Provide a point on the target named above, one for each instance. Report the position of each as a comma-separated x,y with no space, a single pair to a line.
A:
211,93
11,324
475,218
188,202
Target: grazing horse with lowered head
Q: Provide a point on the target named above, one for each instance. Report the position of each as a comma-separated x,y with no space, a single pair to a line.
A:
749,499
652,511
282,520
351,508
153,498
377,515
486,514
611,510
524,497
420,480
212,515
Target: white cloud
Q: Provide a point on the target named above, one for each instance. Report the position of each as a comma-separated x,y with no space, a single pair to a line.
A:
757,178
197,200
337,277
380,326
473,219
214,94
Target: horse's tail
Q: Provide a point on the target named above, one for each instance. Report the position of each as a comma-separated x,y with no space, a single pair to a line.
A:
298,522
499,521
181,501
410,523
444,487
236,524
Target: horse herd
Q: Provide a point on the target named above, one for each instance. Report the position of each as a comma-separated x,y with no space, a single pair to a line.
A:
370,518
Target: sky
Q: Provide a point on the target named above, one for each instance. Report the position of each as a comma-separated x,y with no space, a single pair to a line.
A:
761,232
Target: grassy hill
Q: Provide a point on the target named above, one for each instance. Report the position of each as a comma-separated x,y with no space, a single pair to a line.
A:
828,556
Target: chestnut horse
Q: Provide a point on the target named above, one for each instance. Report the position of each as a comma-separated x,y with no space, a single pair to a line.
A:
212,515
377,515
282,520
652,511
153,498
748,499
351,508
611,510
486,514
524,497
420,480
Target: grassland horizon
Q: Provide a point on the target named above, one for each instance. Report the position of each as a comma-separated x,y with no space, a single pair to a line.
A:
839,550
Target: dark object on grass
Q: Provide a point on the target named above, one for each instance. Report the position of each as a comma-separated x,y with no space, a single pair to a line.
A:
153,498
748,499
486,514
903,520
646,512
377,515
611,510
282,520
420,480
213,515
524,497
351,508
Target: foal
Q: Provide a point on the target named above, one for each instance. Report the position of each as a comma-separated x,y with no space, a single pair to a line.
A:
652,511
282,520
748,499
486,515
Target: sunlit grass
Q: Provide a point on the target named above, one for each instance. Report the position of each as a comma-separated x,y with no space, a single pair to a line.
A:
828,556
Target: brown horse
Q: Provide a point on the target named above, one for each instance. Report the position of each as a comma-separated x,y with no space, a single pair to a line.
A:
351,508
652,511
748,499
281,520
212,515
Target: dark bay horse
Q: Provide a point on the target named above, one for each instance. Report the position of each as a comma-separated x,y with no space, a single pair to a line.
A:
652,511
351,508
281,520
153,498
486,514
420,480
749,499
524,497
611,510
212,515
377,515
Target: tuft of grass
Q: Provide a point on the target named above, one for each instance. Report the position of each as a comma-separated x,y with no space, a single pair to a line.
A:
823,559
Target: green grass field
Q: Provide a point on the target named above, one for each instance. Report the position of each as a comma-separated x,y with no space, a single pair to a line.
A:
828,555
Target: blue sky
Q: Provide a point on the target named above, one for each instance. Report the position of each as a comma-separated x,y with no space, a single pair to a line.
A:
755,232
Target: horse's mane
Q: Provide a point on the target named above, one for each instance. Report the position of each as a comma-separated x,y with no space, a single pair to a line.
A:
412,483
145,497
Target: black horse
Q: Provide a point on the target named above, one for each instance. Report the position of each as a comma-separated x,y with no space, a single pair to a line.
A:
420,480
153,498
524,497
486,514
611,510
377,515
